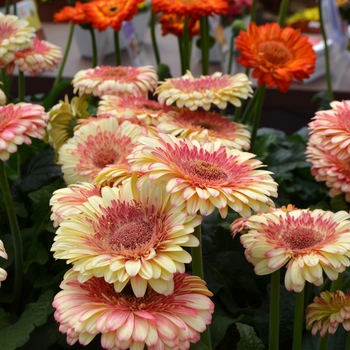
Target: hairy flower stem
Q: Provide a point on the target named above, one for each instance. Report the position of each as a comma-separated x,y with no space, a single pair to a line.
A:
257,113
231,55
298,320
274,311
204,29
21,86
65,56
16,234
253,10
197,269
154,39
94,47
326,54
182,58
283,12
118,60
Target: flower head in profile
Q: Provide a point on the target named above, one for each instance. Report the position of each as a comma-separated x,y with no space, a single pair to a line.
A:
277,55
41,56
65,201
329,168
74,14
216,89
96,145
128,235
174,24
15,35
120,80
308,241
193,8
328,311
206,126
138,110
63,121
332,128
3,254
110,13
125,321
18,123
204,176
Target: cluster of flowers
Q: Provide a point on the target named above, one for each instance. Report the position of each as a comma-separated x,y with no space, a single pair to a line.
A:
139,173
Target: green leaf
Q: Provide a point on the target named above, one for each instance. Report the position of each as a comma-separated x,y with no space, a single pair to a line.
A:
249,340
338,203
219,326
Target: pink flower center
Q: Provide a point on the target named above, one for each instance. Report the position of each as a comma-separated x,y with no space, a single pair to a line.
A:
275,52
300,238
206,170
104,157
7,31
202,84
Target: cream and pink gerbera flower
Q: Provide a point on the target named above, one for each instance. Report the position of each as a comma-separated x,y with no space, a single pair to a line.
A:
3,254
65,201
329,168
328,311
206,126
15,35
203,92
128,235
94,146
309,241
41,56
332,127
205,176
18,123
157,321
120,80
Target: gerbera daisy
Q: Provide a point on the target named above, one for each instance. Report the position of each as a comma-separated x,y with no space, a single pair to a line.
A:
15,35
73,14
332,127
127,322
96,145
206,126
326,167
110,13
113,175
3,254
327,312
63,120
41,56
205,176
108,80
193,8
139,110
309,241
277,55
65,201
174,24
18,123
128,235
216,89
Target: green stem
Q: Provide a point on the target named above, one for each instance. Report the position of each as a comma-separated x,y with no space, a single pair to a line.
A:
94,47
257,113
336,285
21,86
231,54
65,56
118,60
154,39
197,269
298,320
347,344
7,7
16,234
5,86
186,46
180,42
248,112
274,311
323,342
283,12
204,30
253,10
326,54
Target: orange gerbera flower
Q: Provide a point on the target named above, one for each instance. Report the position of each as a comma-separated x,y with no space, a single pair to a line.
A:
174,24
277,55
73,14
190,8
104,13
